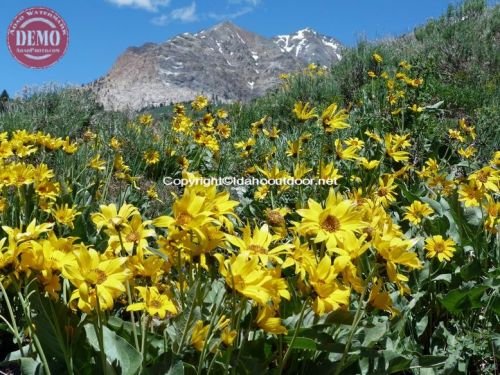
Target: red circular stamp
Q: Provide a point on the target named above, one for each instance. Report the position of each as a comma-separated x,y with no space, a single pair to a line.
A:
37,37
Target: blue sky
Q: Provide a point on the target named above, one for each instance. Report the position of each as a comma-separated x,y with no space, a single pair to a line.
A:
100,30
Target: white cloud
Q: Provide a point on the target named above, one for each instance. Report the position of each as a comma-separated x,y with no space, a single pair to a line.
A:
229,16
185,14
250,2
248,6
151,5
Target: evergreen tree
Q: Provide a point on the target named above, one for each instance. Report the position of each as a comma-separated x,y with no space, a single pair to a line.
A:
4,96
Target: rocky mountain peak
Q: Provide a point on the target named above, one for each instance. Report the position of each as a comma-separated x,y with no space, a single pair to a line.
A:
224,62
311,46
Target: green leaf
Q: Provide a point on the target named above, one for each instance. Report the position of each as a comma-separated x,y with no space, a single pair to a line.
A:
116,348
374,334
124,329
428,361
471,271
253,358
304,343
473,215
443,277
167,363
427,371
436,105
341,317
51,319
435,205
396,362
495,304
460,300
422,325
176,369
26,366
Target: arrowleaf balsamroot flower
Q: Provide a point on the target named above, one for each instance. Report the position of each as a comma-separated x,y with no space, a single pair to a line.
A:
32,232
492,222
97,164
395,144
257,243
199,103
269,322
154,303
228,335
334,119
486,178
65,215
112,219
95,278
199,335
134,237
471,194
417,211
331,223
300,256
330,294
381,299
246,276
304,111
377,58
368,164
294,149
416,108
348,153
151,157
385,193
396,252
145,119
439,247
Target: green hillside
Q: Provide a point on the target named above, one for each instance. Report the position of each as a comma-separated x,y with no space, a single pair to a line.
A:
369,245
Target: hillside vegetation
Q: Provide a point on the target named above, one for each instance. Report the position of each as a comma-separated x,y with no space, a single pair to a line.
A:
370,245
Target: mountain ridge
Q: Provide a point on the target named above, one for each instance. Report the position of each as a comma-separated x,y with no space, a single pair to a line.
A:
224,62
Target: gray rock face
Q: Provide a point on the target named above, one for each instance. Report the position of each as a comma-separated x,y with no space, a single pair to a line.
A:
225,63
311,47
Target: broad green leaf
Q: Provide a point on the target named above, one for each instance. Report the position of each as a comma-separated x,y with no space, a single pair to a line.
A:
443,277
422,325
117,349
374,334
435,205
471,271
495,304
429,361
167,363
396,362
50,320
341,317
301,342
26,366
176,369
460,300
473,215
436,105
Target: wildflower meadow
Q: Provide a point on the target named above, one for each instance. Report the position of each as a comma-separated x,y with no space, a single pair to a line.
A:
390,266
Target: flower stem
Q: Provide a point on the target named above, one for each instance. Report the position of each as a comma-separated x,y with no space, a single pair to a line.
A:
100,335
15,330
129,297
132,317
188,321
294,337
357,319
